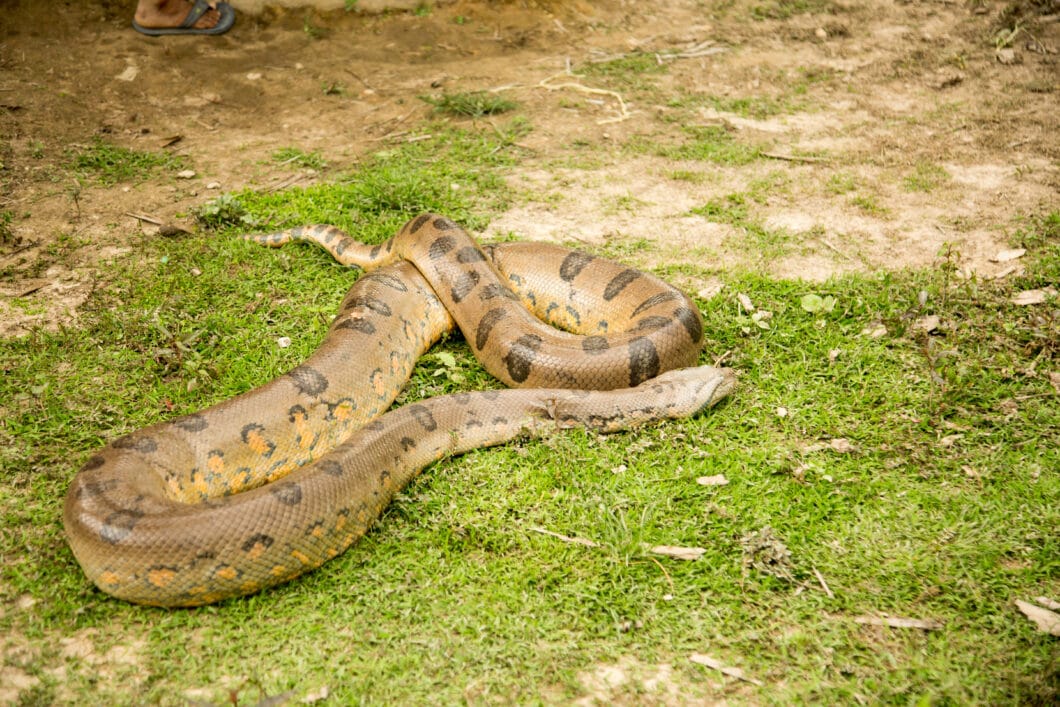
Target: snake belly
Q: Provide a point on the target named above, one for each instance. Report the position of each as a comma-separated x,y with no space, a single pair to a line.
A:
265,486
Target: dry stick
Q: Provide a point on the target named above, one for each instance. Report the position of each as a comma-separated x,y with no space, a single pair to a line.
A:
899,622
665,574
624,113
824,584
564,538
141,217
833,248
795,158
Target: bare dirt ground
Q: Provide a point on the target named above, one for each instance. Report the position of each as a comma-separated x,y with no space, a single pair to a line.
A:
884,89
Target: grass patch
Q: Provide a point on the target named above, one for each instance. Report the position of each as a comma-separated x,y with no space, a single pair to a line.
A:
786,9
709,144
472,104
925,178
109,164
296,156
453,171
940,502
940,505
621,68
736,209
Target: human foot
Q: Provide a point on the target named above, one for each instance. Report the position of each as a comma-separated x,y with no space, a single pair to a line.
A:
158,17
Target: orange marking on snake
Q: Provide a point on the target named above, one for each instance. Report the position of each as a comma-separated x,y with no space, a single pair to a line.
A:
161,577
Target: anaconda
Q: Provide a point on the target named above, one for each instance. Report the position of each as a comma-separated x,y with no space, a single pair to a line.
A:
270,484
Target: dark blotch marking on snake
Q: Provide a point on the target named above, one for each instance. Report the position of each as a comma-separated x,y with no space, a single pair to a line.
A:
652,323
573,264
494,290
440,247
96,488
418,223
423,416
258,539
95,462
192,423
357,324
295,412
144,445
464,285
407,443
119,524
444,224
619,283
331,467
520,358
386,280
595,344
287,492
643,361
691,321
308,380
374,252
654,300
469,254
485,326
376,305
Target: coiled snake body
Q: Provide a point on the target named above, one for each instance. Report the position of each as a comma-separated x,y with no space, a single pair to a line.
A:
270,484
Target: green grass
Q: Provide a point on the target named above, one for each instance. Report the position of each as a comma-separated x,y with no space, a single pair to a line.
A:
941,505
737,209
925,177
296,156
472,104
109,164
786,9
708,144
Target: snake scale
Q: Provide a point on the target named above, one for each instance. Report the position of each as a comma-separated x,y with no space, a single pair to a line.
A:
265,486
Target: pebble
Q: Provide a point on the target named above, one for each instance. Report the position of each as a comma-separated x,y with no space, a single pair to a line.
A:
186,174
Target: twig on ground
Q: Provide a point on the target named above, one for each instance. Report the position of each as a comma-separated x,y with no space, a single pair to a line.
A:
824,584
899,622
665,574
146,219
565,538
623,111
794,158
706,660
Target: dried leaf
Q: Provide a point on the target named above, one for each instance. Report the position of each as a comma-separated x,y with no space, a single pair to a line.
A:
710,290
709,662
899,622
318,696
679,553
716,480
745,302
1007,255
1046,621
929,323
949,440
128,74
1028,297
874,330
1054,378
1048,603
842,445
